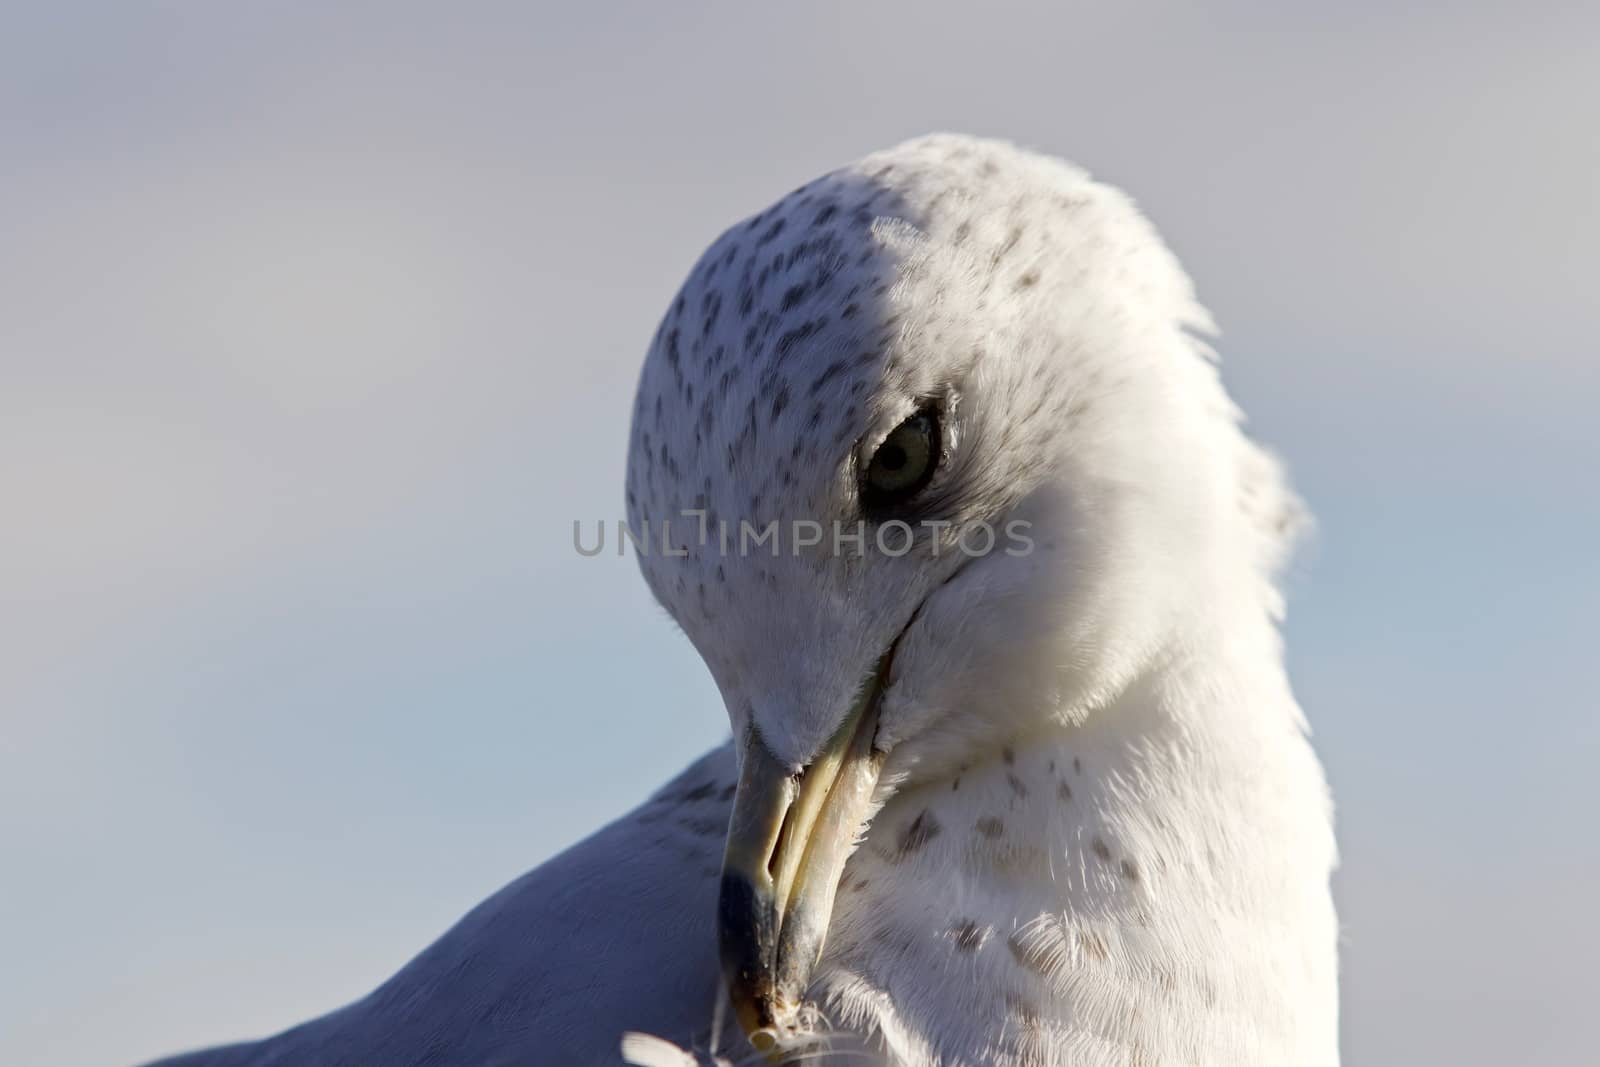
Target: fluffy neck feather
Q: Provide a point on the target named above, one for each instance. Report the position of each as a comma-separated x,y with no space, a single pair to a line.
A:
1150,887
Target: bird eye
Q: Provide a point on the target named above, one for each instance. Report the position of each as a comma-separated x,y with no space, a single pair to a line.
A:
904,463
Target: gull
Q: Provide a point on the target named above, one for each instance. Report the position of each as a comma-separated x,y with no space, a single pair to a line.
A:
932,463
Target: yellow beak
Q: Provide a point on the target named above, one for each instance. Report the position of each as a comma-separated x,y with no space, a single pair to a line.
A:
788,840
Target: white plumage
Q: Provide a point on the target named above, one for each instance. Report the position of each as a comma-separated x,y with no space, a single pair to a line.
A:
1099,836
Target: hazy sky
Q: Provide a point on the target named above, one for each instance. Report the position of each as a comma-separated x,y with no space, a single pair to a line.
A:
318,330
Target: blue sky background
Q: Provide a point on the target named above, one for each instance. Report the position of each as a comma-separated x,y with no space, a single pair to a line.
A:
318,329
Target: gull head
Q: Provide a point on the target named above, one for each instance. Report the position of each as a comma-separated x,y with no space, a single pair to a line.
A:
927,455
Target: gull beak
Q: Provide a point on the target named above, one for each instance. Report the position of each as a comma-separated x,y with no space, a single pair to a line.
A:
788,840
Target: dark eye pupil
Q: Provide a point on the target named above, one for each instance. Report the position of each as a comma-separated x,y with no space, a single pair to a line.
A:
903,464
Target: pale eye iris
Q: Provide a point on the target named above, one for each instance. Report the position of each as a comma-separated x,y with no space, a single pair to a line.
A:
904,463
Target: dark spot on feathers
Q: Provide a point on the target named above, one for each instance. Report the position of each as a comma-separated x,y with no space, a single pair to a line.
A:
789,338
700,792
923,828
1094,946
828,372
771,232
968,935
703,827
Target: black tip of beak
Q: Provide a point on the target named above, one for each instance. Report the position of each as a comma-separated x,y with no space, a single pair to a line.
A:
747,924
789,835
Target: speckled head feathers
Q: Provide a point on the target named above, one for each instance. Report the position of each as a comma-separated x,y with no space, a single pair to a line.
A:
1044,313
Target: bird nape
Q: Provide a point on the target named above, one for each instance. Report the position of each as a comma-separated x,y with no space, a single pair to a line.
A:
935,469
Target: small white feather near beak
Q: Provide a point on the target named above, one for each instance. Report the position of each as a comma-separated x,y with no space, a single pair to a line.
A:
647,1050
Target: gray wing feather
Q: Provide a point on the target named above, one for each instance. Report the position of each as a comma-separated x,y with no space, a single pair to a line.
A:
615,934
